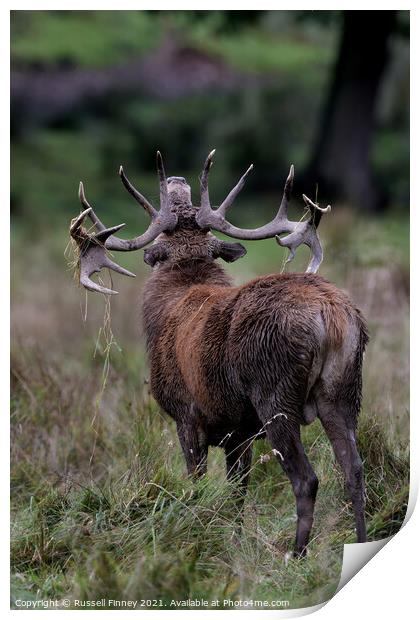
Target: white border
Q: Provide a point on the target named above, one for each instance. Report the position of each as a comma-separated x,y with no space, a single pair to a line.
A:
388,584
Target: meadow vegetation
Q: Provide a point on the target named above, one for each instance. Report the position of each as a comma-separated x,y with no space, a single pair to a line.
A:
101,505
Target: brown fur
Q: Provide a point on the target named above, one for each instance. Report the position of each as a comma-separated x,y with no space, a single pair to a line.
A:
231,363
297,302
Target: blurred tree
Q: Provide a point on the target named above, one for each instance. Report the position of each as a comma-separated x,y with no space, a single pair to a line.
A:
340,160
115,85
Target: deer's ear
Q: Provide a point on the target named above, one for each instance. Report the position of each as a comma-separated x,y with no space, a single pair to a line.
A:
155,254
230,251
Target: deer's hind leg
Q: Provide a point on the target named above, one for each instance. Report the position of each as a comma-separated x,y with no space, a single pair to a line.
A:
338,400
340,428
193,440
280,420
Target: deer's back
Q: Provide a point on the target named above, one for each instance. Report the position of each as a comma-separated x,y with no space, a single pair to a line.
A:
219,345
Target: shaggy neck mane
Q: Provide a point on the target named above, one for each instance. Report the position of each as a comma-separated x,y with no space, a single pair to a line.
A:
168,283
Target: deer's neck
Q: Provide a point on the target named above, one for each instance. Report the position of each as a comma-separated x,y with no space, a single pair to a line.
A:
168,283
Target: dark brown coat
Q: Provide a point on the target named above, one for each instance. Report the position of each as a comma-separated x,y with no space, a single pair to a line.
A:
230,363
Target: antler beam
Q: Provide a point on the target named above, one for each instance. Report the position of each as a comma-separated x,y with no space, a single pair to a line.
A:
303,232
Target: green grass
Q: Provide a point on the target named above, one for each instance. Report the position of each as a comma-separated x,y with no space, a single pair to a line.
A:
101,505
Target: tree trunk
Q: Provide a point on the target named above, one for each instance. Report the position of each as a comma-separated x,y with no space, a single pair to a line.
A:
340,162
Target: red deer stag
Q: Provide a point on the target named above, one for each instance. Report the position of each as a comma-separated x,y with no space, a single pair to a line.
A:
230,363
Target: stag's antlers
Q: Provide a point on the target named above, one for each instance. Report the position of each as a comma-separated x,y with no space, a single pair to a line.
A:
93,248
93,254
299,232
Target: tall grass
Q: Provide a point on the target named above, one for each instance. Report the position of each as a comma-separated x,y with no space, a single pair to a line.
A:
101,505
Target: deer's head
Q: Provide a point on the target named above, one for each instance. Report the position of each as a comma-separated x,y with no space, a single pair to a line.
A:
181,232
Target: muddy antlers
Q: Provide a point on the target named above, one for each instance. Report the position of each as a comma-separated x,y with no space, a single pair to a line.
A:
303,232
93,249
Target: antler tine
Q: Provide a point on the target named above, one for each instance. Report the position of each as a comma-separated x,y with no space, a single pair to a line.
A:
228,201
163,184
316,210
204,180
206,168
103,235
206,214
76,223
287,192
95,219
94,287
82,196
137,195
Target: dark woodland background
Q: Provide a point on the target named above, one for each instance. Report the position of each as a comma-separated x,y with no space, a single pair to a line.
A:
328,91
100,503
